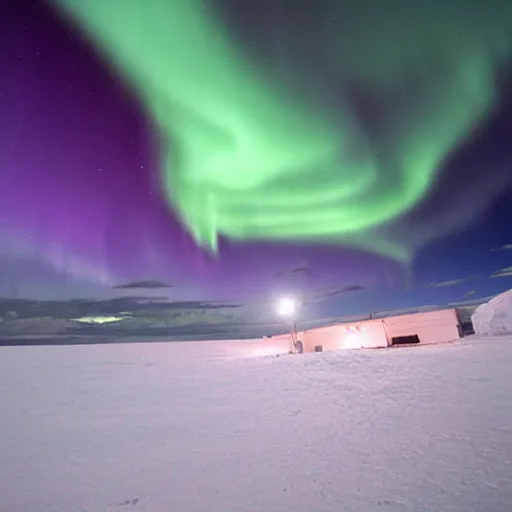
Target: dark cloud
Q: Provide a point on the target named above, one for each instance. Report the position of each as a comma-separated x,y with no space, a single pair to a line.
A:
326,294
77,308
405,311
296,271
504,272
453,282
469,302
143,285
506,247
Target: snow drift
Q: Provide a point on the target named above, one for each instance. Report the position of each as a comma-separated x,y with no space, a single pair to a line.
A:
195,427
494,317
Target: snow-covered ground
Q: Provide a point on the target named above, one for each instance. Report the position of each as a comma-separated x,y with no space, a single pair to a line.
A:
182,427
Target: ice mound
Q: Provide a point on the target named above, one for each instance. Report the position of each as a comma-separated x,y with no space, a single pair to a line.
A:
494,317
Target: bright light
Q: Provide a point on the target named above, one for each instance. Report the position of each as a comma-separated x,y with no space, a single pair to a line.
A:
353,340
99,319
286,307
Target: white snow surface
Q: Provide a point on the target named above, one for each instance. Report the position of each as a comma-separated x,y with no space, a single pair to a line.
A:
182,427
494,317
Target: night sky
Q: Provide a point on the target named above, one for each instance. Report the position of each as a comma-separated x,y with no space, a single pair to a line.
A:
353,154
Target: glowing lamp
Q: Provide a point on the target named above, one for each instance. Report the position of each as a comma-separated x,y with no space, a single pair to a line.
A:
286,307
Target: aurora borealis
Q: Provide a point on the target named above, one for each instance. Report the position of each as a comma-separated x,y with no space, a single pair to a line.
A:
250,159
215,146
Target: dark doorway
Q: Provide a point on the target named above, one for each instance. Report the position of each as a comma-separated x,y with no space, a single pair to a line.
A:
405,340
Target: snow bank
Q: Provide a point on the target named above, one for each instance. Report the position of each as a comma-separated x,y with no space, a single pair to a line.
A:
177,428
494,317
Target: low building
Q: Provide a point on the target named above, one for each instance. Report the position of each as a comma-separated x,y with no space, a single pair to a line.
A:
424,328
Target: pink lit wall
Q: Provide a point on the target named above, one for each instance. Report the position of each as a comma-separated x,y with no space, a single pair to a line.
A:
368,334
430,326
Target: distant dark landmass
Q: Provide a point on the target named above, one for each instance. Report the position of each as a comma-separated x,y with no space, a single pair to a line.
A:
145,319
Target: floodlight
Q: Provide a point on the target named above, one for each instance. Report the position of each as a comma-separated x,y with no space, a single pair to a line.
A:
286,307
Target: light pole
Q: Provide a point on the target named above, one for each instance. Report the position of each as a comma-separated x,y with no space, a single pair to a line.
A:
287,308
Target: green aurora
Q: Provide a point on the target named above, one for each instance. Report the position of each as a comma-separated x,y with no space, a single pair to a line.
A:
250,157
